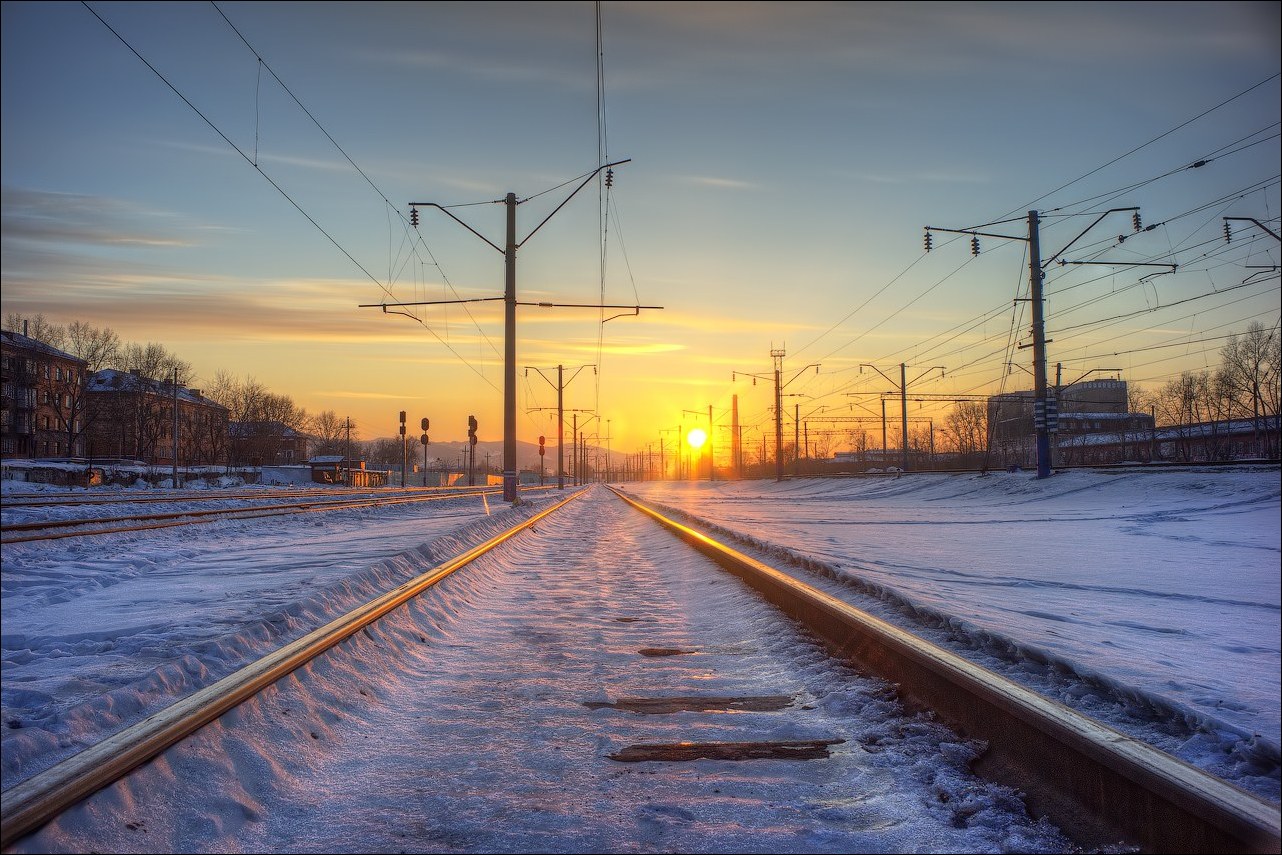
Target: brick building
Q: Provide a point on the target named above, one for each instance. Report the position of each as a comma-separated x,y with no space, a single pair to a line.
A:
131,416
43,408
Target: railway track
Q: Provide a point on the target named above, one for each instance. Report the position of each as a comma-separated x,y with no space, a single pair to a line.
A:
73,498
1102,788
84,527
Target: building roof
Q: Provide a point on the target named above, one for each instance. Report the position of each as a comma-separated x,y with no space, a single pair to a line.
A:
1235,427
111,380
18,340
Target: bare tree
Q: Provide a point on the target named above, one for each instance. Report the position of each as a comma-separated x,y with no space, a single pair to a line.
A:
98,348
966,427
36,327
1249,375
260,419
154,362
1186,402
384,451
330,432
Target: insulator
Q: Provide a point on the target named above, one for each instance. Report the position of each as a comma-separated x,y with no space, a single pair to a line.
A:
974,245
928,242
1135,221
1228,232
609,178
414,217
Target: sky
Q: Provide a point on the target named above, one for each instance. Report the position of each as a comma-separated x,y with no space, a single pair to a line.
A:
233,182
1162,624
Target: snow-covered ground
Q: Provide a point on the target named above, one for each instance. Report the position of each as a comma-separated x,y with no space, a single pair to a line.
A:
1150,600
1147,599
477,719
99,631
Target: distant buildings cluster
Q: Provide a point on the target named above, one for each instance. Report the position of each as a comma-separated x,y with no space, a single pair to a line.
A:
53,407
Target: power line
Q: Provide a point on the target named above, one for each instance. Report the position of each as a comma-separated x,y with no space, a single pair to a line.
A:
1145,145
378,191
267,177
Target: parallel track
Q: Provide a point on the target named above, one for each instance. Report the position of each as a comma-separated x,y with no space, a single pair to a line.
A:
55,529
1095,783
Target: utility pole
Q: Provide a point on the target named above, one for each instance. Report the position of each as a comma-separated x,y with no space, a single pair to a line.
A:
509,358
511,245
777,354
712,460
883,430
796,439
560,385
175,476
903,402
676,461
1045,414
471,454
1040,415
736,441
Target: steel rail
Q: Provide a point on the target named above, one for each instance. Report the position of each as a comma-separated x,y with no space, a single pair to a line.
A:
189,517
1096,783
29,805
37,500
42,500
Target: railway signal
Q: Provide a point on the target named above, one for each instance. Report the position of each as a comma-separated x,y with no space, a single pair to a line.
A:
403,451
423,439
471,457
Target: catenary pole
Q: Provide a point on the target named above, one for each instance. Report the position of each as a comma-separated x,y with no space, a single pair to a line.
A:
1035,278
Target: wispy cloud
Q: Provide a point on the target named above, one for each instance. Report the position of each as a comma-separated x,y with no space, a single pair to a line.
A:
43,217
957,177
714,181
264,156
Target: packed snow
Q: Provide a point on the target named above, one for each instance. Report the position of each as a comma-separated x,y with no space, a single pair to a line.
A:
1147,599
1150,600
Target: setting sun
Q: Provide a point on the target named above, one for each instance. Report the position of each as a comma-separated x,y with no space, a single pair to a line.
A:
697,437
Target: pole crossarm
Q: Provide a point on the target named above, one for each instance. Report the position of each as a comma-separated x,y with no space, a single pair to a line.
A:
511,480
385,306
974,233
800,371
545,305
1228,233
591,175
1087,374
1091,226
941,368
1173,267
447,213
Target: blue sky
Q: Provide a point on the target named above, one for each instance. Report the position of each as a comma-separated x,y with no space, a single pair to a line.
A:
784,161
